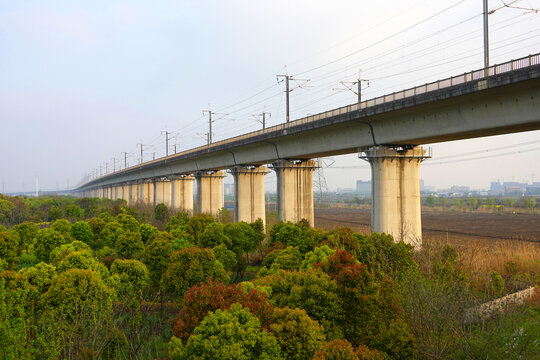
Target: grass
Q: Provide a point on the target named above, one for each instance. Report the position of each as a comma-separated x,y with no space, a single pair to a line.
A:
518,262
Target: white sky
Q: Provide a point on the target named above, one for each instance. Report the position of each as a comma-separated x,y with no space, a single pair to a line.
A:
83,81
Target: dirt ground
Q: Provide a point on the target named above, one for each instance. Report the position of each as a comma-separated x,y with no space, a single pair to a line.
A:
442,225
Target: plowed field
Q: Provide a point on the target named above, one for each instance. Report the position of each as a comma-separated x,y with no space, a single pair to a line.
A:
451,225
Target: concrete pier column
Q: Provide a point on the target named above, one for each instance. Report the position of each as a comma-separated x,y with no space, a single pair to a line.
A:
395,194
110,192
124,192
209,191
163,192
132,193
182,193
249,204
148,192
295,190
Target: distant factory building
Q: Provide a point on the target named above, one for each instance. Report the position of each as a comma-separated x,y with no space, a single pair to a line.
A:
363,187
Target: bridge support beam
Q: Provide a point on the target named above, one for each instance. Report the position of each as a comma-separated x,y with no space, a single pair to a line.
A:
395,184
182,193
295,190
249,202
209,191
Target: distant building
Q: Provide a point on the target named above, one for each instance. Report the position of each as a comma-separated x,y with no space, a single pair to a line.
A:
509,188
533,189
460,189
363,187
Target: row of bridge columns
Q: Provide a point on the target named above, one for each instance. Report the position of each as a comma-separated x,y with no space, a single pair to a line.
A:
395,191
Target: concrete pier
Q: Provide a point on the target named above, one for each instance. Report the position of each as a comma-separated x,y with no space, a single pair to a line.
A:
163,192
209,191
147,192
249,204
182,193
395,181
295,190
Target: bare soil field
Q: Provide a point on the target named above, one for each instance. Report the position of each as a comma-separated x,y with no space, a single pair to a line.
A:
442,225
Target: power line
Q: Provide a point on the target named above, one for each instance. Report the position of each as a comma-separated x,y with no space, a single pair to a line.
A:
383,40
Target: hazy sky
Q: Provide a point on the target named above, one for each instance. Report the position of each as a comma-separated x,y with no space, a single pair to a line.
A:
83,81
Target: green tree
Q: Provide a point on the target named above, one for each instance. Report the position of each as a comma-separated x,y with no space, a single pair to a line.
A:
443,201
510,202
129,244
198,223
54,213
288,258
132,278
128,222
161,212
147,232
9,243
298,336
293,235
226,257
82,231
490,202
191,266
530,203
430,200
473,203
458,203
46,241
73,211
180,219
318,255
79,305
313,291
63,226
230,335
27,234
109,235
212,236
157,256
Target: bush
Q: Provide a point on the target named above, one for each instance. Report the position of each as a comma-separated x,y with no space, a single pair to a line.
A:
298,336
231,334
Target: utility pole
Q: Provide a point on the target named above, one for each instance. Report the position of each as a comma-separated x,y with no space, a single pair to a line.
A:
486,35
210,121
263,115
114,164
125,159
106,168
175,148
154,155
167,138
349,85
141,158
287,78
